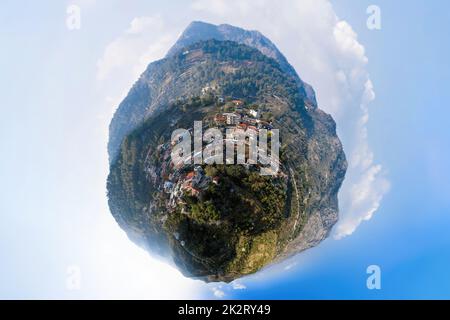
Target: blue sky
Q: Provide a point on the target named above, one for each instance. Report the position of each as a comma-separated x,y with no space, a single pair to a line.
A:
55,113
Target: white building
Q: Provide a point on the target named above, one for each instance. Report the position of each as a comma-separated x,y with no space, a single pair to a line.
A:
254,113
232,118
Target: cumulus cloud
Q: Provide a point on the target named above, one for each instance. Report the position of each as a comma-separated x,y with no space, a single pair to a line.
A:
146,39
218,292
326,52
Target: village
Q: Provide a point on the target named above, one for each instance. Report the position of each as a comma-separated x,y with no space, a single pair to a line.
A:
177,177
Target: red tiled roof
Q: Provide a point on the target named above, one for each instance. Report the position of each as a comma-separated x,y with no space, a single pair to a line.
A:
190,175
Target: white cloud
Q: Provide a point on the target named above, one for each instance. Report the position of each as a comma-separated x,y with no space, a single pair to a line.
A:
146,39
142,24
218,292
290,266
347,43
326,53
365,196
237,285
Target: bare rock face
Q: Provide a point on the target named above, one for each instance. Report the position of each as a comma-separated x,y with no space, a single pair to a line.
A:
218,222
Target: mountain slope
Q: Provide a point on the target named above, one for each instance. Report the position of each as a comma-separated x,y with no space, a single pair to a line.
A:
198,31
243,221
147,95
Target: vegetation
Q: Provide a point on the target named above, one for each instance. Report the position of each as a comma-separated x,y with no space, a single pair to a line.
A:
244,221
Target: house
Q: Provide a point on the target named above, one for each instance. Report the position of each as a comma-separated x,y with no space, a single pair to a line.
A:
190,175
209,89
176,139
250,121
308,106
253,113
232,118
168,186
242,126
238,103
220,119
206,90
198,175
264,125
